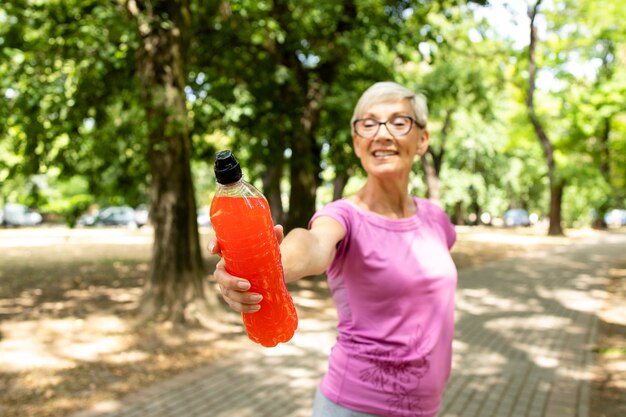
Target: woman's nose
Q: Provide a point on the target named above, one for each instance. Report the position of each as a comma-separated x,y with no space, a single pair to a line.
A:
383,133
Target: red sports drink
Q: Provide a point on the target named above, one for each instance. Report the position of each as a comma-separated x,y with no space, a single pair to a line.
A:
243,226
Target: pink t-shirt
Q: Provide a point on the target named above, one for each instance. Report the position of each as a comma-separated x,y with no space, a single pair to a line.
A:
393,283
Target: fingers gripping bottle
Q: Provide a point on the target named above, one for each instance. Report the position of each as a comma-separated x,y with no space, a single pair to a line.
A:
243,226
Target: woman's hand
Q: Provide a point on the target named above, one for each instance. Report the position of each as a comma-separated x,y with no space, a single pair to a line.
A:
235,289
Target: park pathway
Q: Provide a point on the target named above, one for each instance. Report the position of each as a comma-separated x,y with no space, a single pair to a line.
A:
523,348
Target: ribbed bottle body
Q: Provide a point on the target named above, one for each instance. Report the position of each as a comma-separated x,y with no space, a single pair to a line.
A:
244,230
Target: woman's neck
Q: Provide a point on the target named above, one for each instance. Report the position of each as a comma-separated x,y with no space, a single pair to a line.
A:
385,199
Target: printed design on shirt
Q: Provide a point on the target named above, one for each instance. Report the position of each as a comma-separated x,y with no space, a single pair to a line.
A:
399,379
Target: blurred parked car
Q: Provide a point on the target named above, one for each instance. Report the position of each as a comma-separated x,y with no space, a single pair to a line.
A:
516,217
117,216
87,219
20,215
615,217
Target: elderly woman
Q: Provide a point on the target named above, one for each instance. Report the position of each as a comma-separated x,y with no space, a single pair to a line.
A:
387,258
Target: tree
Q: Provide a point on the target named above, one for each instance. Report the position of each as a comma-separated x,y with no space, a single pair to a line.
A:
555,182
288,63
110,99
69,92
83,83
582,103
595,100
458,80
279,58
176,279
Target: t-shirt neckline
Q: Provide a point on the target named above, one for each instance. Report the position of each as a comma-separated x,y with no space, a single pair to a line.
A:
401,224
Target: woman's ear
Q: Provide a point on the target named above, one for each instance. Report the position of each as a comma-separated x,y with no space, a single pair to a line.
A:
355,146
423,146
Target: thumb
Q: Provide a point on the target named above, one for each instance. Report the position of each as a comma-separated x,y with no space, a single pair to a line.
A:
280,233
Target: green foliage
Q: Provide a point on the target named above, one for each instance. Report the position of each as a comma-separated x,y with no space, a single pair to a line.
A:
67,198
72,208
277,82
68,79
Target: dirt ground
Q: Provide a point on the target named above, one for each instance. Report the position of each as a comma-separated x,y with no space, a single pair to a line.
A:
69,336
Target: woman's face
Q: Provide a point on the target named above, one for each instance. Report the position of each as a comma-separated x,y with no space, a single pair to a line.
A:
386,154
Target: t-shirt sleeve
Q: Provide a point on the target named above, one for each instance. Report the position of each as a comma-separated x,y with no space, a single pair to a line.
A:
448,229
443,222
337,210
341,212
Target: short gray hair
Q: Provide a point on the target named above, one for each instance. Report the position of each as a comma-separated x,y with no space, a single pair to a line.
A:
390,91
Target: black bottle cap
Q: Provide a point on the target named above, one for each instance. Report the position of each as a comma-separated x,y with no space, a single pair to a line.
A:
227,169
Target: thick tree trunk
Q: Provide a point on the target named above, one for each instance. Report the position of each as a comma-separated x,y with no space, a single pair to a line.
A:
271,189
459,214
433,187
605,169
556,198
176,289
605,150
556,185
432,170
304,176
339,184
305,167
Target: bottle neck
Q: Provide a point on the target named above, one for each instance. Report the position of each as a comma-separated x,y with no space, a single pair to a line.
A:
230,185
240,188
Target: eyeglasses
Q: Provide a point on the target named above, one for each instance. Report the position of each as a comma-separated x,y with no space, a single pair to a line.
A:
396,126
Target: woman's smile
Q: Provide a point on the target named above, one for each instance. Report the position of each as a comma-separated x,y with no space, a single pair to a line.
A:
384,154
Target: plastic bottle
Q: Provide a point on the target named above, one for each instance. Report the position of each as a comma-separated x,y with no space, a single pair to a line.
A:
243,226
